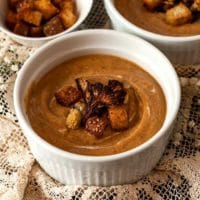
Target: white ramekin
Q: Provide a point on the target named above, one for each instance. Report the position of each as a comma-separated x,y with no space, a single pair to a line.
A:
180,50
115,169
83,8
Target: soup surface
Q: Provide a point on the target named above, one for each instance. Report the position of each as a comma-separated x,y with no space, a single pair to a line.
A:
48,118
136,13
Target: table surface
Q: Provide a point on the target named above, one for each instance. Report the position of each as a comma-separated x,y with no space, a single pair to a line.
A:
177,176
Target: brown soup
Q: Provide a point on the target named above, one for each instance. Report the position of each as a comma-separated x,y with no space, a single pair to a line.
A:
48,118
136,13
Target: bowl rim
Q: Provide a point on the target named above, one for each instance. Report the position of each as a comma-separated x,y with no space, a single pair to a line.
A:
88,158
143,32
47,38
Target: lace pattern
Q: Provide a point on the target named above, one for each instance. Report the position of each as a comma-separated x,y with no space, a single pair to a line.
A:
176,177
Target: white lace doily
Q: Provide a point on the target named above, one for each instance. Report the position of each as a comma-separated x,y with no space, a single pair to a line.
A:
176,177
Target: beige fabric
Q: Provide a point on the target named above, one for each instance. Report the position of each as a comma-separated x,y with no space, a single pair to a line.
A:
177,176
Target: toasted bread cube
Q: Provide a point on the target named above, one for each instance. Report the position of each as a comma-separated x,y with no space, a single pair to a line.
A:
47,9
65,5
68,96
36,31
21,29
31,17
196,6
73,119
152,4
53,26
106,96
178,15
96,125
118,117
24,5
11,19
68,18
68,5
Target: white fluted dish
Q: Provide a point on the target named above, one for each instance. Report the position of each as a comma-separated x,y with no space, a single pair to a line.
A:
126,167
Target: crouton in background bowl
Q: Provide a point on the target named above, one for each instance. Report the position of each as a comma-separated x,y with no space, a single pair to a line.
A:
105,170
180,49
45,20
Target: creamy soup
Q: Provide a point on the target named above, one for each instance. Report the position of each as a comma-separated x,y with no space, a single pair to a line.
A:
146,112
136,13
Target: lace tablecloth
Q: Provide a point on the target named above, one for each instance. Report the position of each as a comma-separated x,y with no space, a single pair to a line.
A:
176,177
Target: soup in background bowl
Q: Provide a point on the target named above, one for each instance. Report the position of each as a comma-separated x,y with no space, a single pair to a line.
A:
180,44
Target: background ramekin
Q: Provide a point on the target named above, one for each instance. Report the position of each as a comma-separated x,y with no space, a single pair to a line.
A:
115,169
83,8
180,50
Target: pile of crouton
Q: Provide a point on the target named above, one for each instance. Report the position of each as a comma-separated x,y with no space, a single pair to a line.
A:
95,106
38,18
177,12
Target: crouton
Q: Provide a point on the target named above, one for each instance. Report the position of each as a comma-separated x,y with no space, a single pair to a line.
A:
152,4
24,5
196,6
67,96
68,5
21,29
68,18
53,26
96,125
31,17
118,90
107,96
73,119
68,12
36,31
110,97
47,9
178,15
118,117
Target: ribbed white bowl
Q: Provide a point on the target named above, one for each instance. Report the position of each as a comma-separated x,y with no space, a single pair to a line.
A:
115,169
180,50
